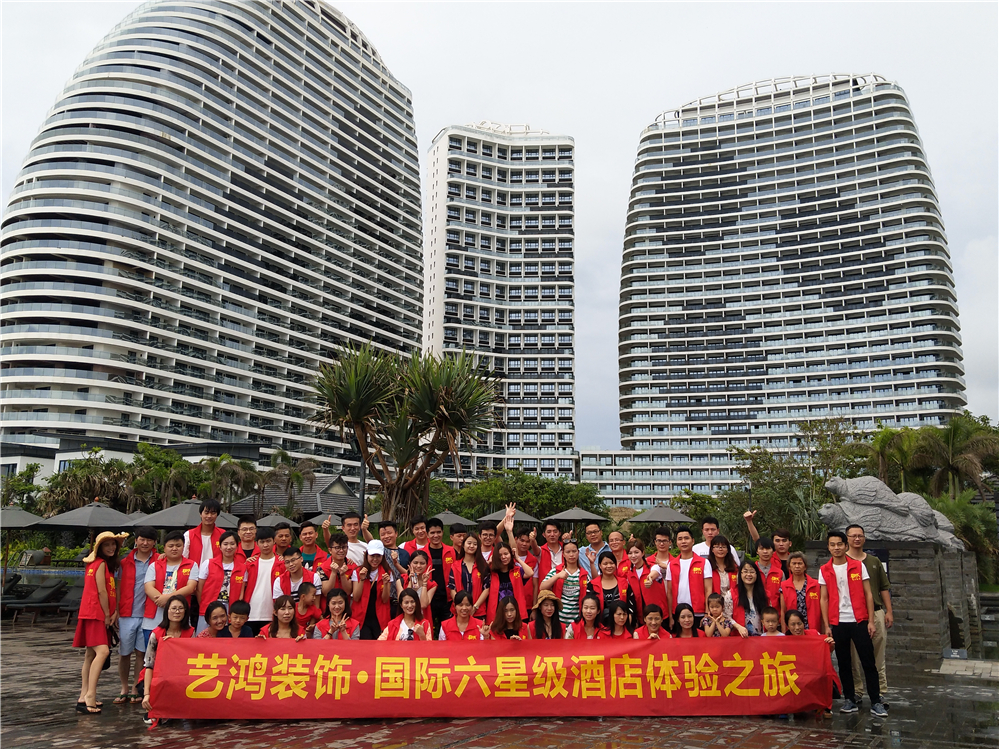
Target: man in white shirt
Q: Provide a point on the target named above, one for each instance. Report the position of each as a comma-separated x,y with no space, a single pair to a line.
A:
847,607
687,571
352,528
260,575
709,529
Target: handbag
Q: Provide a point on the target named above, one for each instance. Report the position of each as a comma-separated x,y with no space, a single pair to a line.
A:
113,640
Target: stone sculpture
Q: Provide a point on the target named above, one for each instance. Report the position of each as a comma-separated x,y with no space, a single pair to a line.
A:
884,515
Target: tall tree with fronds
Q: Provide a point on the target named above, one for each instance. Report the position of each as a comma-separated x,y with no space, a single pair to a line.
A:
879,449
955,452
291,475
227,479
408,416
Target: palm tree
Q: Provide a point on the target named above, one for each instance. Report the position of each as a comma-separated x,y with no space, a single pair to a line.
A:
408,416
880,449
291,475
955,452
227,478
903,450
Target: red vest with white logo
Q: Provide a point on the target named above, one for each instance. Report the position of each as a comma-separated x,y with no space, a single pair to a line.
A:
451,631
251,577
194,543
127,584
516,579
772,581
323,628
545,561
212,585
855,584
182,574
90,603
813,610
695,581
383,608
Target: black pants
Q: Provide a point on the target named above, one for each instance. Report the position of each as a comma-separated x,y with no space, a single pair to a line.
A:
856,632
255,627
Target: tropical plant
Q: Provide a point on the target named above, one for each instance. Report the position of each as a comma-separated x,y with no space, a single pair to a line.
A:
879,448
407,415
533,494
227,479
20,488
291,475
955,452
975,524
88,478
162,476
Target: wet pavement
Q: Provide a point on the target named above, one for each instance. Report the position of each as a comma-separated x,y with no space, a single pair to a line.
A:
40,677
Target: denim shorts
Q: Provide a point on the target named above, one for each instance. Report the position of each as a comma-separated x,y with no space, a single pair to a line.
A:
132,637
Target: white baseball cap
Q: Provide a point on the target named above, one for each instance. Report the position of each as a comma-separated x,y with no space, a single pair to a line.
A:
376,547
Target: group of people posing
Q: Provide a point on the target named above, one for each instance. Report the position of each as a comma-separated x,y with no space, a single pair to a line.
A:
255,582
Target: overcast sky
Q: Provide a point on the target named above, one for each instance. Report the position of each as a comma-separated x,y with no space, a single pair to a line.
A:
601,73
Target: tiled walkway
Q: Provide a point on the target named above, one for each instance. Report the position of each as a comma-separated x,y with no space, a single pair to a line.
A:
41,672
988,670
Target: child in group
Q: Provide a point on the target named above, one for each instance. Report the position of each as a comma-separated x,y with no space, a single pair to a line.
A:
284,625
338,625
546,625
307,613
771,622
216,619
239,614
715,623
461,626
176,613
410,624
588,627
98,611
619,620
507,624
684,622
653,627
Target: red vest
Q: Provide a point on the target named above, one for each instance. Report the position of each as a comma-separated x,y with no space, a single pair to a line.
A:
642,633
240,554
327,566
127,583
772,581
813,610
212,585
194,543
501,635
383,608
733,580
90,603
307,577
323,628
695,581
393,629
304,620
532,562
855,584
161,633
183,575
251,577
456,574
321,556
545,562
518,593
451,631
655,593
557,587
410,547
579,631
623,586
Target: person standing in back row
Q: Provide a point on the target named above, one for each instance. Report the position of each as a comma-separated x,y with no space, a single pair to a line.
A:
848,616
883,616
709,529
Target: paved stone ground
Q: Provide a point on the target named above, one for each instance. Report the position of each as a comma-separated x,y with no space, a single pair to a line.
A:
41,672
988,670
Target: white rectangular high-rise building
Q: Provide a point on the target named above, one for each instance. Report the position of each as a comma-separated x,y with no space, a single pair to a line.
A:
499,282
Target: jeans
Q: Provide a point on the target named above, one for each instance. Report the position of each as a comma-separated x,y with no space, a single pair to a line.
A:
855,633
879,640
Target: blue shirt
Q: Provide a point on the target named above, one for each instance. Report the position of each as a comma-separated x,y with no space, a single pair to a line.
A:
139,592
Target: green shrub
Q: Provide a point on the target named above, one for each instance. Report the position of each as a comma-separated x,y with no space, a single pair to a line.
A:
975,524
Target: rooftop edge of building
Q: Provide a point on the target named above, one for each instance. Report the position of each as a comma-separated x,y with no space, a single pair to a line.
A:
515,133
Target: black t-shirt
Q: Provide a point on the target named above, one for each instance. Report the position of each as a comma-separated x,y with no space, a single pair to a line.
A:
371,616
439,605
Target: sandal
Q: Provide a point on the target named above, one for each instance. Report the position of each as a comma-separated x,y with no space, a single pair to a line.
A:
121,699
83,707
97,704
135,698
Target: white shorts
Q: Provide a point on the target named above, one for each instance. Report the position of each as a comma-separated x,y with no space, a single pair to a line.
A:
132,638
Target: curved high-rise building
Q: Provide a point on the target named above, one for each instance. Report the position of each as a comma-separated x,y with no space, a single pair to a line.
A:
499,281
222,194
784,260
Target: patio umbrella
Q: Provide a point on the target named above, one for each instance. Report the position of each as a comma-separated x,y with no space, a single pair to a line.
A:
376,518
577,515
269,521
321,518
133,516
14,519
181,517
519,517
449,518
660,514
95,516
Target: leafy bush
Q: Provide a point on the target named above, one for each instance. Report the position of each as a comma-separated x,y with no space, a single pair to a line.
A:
975,524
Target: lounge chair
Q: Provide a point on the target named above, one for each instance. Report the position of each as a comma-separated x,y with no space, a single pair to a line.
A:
8,589
47,592
77,561
71,603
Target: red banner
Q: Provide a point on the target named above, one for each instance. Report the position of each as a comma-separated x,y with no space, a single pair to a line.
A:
284,679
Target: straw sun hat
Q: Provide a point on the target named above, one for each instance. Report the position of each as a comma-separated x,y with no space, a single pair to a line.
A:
101,538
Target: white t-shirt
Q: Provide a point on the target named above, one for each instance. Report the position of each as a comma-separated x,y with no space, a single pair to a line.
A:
703,550
843,586
356,551
487,554
683,588
261,600
207,549
404,631
307,577
169,587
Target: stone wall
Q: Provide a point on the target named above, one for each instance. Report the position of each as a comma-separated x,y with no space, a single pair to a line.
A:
934,598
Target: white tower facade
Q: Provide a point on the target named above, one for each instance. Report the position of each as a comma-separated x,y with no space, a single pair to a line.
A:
223,194
784,260
499,282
